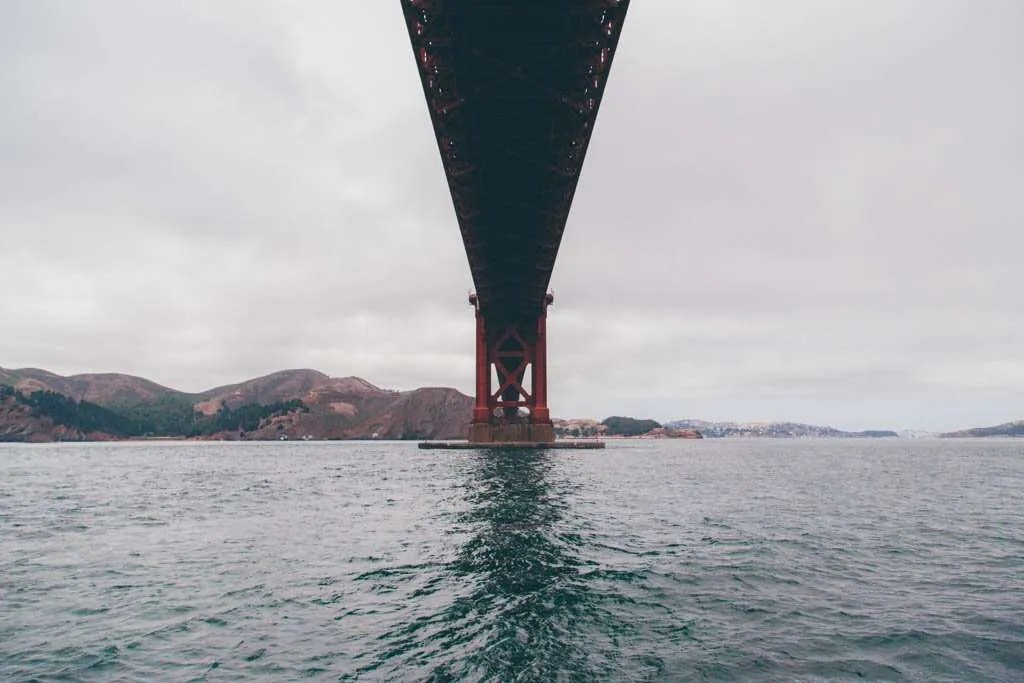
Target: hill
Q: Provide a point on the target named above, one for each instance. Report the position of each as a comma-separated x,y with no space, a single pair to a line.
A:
618,425
102,389
1006,429
286,404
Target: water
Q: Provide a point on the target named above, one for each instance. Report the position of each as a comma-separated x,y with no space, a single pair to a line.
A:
714,560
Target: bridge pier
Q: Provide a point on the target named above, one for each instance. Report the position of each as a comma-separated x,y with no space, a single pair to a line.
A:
513,412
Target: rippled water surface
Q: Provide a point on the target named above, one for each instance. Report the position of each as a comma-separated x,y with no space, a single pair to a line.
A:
675,560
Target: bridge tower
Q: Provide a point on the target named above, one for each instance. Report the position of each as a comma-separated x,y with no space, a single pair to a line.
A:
513,88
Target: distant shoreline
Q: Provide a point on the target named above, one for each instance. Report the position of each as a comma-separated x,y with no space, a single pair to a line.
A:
304,404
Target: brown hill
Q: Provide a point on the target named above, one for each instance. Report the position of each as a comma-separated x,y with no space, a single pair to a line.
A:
430,413
346,407
335,407
277,386
427,413
105,389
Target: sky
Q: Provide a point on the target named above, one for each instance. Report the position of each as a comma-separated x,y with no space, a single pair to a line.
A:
798,211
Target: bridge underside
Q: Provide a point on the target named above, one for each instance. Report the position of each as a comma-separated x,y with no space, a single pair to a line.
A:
513,88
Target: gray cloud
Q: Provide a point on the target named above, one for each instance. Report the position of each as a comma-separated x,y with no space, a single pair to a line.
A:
809,213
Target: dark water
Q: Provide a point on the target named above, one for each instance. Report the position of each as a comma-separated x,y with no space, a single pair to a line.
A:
716,560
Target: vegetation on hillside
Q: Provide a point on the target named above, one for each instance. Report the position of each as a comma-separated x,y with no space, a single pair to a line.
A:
244,418
168,416
628,426
62,410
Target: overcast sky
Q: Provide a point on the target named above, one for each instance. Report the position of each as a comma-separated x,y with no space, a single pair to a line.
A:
810,212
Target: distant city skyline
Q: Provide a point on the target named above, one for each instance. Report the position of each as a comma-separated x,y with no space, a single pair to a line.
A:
810,214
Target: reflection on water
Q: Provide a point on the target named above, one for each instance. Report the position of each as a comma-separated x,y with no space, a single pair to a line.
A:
526,577
524,590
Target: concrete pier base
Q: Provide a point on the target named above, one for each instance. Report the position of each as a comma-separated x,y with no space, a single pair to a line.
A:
489,433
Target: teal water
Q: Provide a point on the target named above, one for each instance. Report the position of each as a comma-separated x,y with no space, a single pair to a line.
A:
672,560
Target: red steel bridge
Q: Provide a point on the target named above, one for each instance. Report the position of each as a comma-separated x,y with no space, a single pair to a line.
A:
513,88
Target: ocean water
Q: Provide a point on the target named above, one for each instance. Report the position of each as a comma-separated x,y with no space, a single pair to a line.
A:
670,560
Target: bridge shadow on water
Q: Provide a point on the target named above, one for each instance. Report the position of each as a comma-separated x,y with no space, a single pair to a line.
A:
526,577
520,596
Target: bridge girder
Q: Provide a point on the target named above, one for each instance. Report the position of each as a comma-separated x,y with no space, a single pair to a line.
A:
513,90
